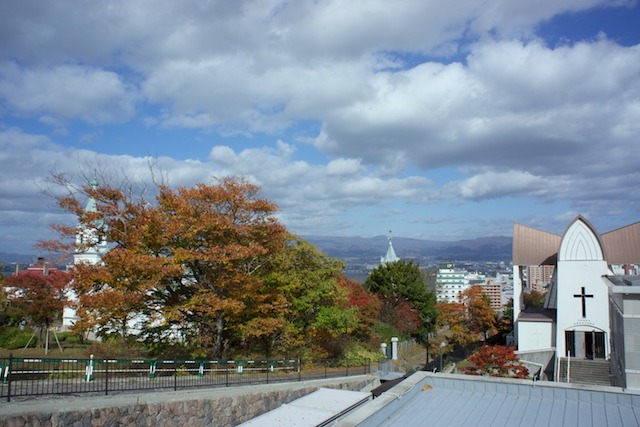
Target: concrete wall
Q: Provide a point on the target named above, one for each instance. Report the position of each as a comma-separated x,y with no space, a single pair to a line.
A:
211,407
544,357
631,320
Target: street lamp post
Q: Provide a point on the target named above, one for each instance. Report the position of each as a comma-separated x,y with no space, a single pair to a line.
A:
442,344
427,320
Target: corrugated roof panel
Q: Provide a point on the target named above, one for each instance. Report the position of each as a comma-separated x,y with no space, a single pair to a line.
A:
613,415
504,411
628,416
530,413
571,413
453,400
517,411
492,400
586,416
543,418
313,409
557,413
466,411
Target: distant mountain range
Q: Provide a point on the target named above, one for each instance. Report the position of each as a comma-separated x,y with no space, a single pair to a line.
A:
480,249
11,258
372,248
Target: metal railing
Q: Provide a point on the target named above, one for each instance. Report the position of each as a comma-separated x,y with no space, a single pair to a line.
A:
48,376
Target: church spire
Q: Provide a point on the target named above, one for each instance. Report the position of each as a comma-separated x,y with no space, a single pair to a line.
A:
391,254
91,243
92,204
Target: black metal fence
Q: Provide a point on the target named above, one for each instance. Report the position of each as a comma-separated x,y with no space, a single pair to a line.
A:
46,376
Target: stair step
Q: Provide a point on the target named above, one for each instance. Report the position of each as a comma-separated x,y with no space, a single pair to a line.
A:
586,371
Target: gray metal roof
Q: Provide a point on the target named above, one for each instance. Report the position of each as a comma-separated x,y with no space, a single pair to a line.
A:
315,409
458,400
623,284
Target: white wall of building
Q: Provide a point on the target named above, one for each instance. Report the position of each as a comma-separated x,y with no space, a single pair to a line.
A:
540,335
581,265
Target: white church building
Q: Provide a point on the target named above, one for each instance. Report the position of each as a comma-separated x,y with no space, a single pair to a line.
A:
91,245
576,320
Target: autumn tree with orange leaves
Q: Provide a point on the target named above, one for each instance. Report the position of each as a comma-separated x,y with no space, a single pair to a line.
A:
38,296
453,324
496,361
366,304
187,263
480,315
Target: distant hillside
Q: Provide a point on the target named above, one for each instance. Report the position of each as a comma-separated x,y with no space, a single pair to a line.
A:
11,258
372,248
480,249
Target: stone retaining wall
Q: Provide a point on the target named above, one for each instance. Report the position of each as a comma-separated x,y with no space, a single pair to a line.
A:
215,407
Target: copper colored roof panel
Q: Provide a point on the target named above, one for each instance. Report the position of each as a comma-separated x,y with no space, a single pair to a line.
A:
534,247
622,246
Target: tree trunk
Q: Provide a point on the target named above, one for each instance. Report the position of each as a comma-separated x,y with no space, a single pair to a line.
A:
218,344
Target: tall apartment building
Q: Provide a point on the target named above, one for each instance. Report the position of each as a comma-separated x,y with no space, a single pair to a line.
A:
493,290
449,283
539,276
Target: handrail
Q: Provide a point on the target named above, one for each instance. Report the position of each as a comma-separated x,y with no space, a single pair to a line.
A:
44,376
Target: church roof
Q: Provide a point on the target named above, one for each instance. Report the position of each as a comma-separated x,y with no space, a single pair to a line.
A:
92,205
622,246
536,247
538,314
391,254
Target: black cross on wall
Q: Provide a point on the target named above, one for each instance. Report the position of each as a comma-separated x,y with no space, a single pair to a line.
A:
584,301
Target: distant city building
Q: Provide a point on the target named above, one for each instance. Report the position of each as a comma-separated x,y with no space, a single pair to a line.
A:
625,269
506,284
390,256
449,283
493,290
539,277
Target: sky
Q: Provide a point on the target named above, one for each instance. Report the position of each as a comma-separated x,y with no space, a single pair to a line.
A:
439,120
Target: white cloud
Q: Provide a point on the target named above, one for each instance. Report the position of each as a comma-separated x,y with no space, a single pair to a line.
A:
498,184
66,92
504,109
384,95
343,166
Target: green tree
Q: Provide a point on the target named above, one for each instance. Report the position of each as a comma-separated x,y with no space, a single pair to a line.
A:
4,302
504,322
401,289
429,277
534,298
316,313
